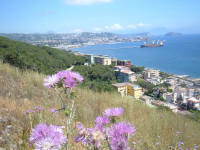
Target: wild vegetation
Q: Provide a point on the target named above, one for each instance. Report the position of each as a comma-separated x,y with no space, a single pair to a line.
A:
156,129
49,60
42,59
97,77
137,69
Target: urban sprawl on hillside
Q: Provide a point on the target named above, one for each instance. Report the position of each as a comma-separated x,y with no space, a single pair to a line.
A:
178,93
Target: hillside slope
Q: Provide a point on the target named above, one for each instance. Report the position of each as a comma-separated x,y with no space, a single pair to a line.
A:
42,59
19,91
48,61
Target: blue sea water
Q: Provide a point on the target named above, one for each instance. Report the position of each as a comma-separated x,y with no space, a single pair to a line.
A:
180,55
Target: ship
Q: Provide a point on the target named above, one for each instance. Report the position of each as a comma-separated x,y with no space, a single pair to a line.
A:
153,44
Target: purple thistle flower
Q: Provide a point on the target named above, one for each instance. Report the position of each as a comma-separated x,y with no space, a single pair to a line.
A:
89,136
118,135
84,135
77,76
97,137
180,143
69,79
45,137
101,122
52,110
51,81
196,147
79,126
29,111
39,109
113,112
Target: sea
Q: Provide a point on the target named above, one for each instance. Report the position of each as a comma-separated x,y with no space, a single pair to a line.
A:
180,55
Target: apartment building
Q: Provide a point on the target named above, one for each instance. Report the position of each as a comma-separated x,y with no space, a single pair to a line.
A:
103,60
193,103
128,89
114,61
124,74
151,73
126,63
121,88
134,90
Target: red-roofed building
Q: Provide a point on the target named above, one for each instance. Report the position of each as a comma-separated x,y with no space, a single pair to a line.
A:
126,63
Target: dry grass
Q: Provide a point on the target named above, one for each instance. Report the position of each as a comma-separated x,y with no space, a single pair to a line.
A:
24,90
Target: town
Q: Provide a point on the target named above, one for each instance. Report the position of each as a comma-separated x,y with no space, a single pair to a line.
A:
75,40
152,86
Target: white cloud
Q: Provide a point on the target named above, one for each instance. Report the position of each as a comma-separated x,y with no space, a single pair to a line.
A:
114,27
77,31
117,27
135,26
85,2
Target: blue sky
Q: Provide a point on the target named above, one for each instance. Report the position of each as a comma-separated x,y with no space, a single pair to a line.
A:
119,16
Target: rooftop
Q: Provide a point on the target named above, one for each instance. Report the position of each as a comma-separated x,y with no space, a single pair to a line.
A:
127,71
119,84
134,86
194,100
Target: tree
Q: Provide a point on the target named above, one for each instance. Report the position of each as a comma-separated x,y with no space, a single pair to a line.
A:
183,85
137,69
42,59
97,77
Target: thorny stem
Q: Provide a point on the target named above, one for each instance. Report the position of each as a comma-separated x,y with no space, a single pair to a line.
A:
30,118
108,143
61,99
64,107
69,120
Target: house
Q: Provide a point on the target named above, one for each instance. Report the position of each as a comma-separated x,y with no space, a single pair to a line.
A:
124,74
91,58
120,68
121,88
190,92
114,61
128,89
193,103
134,90
151,73
168,97
126,63
103,60
127,75
154,81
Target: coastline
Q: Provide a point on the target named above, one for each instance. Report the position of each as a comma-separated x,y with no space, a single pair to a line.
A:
178,56
181,76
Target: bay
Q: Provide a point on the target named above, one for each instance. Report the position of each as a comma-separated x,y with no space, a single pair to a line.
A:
179,55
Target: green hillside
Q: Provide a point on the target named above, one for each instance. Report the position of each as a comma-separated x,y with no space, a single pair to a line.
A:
42,59
49,60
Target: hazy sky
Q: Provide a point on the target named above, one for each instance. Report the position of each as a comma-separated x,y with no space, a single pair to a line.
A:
120,16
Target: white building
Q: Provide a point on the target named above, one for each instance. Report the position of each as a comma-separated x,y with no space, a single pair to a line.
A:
151,73
193,103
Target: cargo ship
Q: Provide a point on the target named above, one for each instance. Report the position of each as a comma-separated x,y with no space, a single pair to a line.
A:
153,44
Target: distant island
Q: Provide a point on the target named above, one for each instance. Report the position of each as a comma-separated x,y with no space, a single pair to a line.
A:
173,34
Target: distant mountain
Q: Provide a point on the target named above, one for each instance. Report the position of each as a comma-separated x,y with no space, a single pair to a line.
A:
173,34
